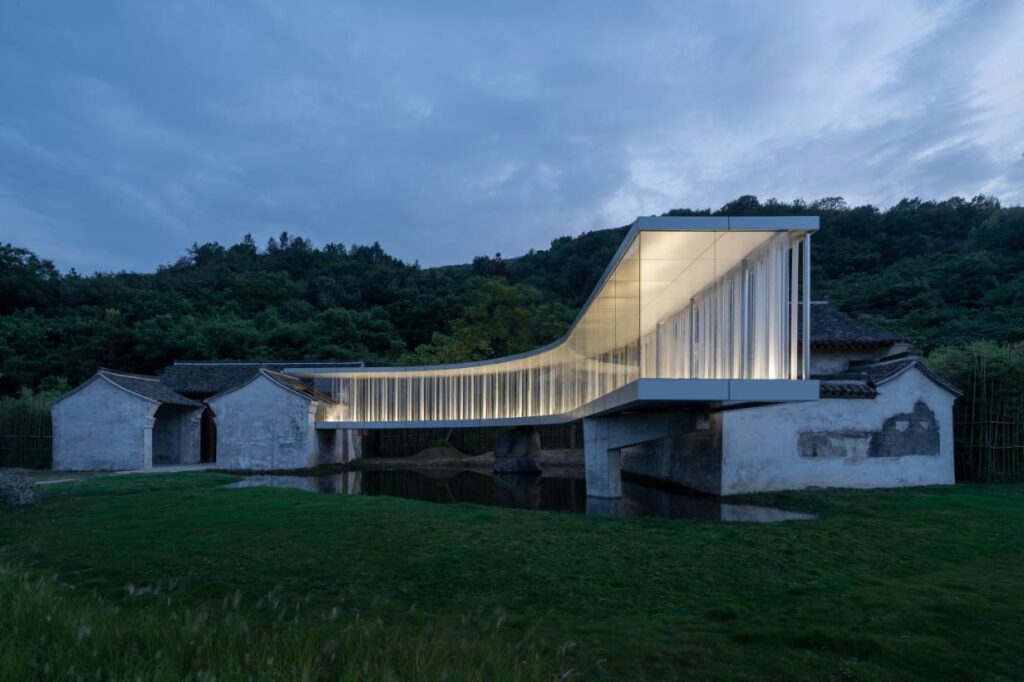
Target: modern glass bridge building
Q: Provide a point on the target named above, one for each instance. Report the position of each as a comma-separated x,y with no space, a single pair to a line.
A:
691,310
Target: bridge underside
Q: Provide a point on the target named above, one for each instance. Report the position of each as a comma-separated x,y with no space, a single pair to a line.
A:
640,395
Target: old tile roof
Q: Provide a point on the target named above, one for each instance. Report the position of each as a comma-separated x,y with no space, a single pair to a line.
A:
861,378
831,328
847,389
204,379
294,384
886,369
148,387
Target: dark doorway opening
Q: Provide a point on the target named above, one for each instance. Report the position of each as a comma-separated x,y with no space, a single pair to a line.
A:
208,437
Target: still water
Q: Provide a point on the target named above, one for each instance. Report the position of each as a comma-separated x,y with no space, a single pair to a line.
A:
540,493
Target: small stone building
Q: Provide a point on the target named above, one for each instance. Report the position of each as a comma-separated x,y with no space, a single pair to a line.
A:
269,422
119,421
237,415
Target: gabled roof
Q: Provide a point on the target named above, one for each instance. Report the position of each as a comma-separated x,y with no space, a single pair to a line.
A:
204,379
289,383
862,378
831,328
882,371
296,385
148,387
846,389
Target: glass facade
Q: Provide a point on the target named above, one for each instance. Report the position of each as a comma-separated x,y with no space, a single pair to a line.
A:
678,304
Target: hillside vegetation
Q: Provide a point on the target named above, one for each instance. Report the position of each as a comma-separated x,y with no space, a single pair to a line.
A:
944,272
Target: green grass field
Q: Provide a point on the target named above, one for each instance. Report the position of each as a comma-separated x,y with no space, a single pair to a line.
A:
172,576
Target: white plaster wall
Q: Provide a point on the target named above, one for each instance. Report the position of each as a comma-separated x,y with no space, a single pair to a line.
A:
760,445
102,427
264,426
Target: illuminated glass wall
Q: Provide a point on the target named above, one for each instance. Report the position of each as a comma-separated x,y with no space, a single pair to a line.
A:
715,305
678,304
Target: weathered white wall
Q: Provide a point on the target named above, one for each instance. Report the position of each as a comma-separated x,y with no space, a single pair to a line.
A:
265,426
102,427
762,447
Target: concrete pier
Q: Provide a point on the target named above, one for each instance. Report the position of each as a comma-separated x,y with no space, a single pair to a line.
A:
604,437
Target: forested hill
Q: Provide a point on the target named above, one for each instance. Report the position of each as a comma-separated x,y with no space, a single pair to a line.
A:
943,272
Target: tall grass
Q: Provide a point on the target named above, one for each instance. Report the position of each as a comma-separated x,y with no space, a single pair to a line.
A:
49,631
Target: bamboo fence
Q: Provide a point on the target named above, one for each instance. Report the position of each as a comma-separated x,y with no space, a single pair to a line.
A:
989,417
26,433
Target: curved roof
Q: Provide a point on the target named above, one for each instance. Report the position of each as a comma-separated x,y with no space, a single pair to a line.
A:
807,224
689,310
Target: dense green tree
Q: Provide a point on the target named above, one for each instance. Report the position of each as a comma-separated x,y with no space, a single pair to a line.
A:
498,319
943,272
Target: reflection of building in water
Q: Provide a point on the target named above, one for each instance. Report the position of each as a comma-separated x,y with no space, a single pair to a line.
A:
517,491
538,493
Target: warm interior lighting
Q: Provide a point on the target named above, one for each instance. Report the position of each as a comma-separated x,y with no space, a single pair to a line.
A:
678,304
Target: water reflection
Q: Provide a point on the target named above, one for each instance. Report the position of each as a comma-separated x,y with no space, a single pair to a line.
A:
541,493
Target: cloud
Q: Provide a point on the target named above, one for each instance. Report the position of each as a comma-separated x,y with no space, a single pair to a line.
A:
132,130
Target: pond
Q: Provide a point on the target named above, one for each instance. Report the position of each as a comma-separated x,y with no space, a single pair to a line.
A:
540,493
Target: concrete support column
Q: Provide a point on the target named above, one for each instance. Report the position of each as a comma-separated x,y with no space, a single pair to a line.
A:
602,463
604,437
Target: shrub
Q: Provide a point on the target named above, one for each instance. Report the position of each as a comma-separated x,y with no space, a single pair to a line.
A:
15,491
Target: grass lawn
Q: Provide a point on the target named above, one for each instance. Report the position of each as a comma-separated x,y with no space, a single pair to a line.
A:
167,576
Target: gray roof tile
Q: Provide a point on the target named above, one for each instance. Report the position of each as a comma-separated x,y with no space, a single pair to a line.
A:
148,387
831,328
863,377
204,379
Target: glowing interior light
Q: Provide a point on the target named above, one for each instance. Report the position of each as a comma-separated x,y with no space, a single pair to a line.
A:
678,304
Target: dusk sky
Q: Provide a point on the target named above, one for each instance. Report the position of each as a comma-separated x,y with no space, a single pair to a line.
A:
130,130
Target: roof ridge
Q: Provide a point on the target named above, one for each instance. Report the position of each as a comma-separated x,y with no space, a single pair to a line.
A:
117,372
287,381
882,362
